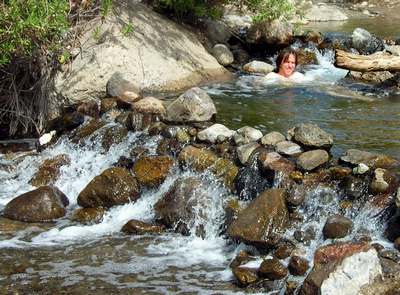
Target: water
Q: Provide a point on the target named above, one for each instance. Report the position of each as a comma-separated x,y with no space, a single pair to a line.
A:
83,259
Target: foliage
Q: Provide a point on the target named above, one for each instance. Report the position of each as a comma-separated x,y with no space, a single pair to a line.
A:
192,8
268,10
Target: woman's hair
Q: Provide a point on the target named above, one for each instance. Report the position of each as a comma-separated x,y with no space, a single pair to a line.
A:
283,56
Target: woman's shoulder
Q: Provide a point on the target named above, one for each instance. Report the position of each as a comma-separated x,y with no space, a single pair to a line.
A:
273,75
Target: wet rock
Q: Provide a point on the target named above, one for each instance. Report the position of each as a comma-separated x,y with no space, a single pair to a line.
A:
152,171
70,121
354,187
284,251
393,255
246,135
272,269
390,268
273,165
313,36
288,148
312,159
373,77
185,202
304,236
306,57
245,276
195,105
337,226
291,287
156,128
298,266
272,138
85,131
258,67
260,222
107,104
295,197
149,105
245,151
124,162
140,121
386,286
137,227
182,136
392,231
241,258
201,159
344,266
250,182
276,32
89,108
339,172
114,186
322,13
360,169
222,54
217,31
366,43
89,215
240,55
113,135
121,87
214,133
43,204
169,146
49,171
310,135
372,160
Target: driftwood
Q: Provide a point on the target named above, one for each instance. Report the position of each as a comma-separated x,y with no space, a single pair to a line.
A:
366,63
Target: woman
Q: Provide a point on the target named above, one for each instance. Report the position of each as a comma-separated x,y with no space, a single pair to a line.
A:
286,63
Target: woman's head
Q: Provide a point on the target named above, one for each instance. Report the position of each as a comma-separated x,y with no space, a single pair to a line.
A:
286,62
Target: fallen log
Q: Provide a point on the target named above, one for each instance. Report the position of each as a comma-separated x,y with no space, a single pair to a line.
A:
366,63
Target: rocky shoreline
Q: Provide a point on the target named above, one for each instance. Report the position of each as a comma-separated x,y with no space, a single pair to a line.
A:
270,177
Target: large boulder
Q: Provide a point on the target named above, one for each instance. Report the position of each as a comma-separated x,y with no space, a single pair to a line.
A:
44,204
195,105
276,32
158,55
115,186
260,222
323,13
365,42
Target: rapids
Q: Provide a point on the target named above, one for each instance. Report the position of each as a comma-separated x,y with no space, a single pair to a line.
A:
66,257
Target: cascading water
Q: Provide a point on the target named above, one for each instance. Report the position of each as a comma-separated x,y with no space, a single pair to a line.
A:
84,258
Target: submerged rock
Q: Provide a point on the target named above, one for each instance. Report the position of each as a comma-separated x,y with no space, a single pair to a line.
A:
195,105
137,227
113,135
337,226
250,182
49,170
264,218
272,269
43,204
115,186
152,171
85,131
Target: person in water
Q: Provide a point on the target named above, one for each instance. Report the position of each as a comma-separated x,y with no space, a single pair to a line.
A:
286,63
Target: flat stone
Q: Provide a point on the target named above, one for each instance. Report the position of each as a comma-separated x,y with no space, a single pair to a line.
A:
312,159
288,148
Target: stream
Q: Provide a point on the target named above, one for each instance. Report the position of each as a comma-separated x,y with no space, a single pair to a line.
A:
66,257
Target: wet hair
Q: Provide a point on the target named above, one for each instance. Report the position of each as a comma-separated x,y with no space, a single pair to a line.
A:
283,56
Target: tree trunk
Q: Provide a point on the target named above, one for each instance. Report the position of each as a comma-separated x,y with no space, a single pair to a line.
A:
366,63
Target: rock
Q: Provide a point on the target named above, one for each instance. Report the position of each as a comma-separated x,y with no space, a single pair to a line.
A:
295,197
304,236
49,171
239,24
87,130
201,159
374,77
337,227
339,172
288,148
272,269
342,266
312,159
258,67
140,121
260,222
380,182
324,13
70,121
306,57
310,135
137,227
392,231
354,187
250,182
360,169
107,104
89,215
183,205
245,275
149,105
241,258
274,165
113,135
182,136
245,151
222,54
393,255
284,251
215,132
372,160
114,186
89,108
277,32
272,138
217,31
174,59
397,198
119,85
384,286
393,49
240,55
195,105
43,204
313,36
246,135
366,43
298,266
291,287
152,171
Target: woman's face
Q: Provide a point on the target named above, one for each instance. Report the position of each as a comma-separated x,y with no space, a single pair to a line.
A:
287,66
